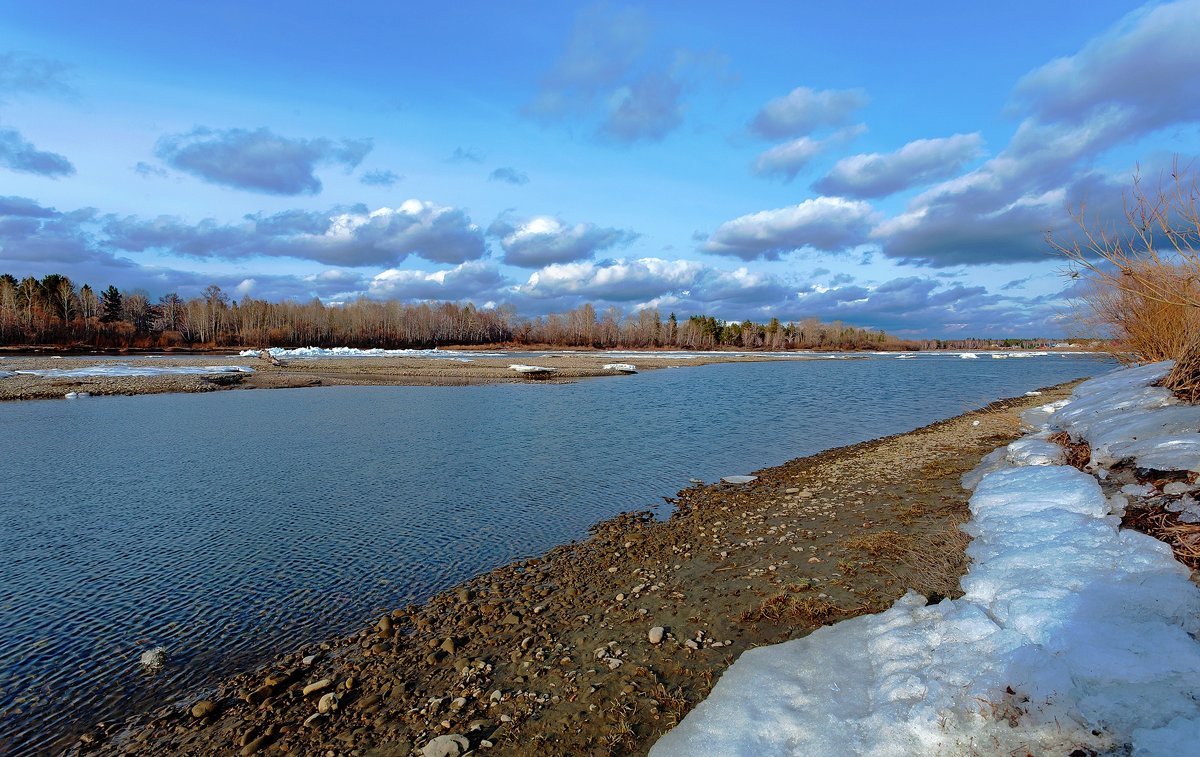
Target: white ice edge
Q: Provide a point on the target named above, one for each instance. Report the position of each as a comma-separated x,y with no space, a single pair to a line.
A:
348,352
520,368
1094,628
620,367
120,369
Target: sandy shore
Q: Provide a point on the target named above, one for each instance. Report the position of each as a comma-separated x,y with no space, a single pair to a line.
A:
601,646
295,373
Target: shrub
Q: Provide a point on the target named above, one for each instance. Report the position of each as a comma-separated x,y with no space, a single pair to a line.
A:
1143,282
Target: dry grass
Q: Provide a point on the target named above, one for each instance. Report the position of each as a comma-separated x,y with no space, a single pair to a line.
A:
1144,325
932,562
789,606
1184,378
1079,454
1183,538
882,545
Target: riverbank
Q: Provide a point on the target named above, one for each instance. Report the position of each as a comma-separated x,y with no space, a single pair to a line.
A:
1076,634
600,647
107,377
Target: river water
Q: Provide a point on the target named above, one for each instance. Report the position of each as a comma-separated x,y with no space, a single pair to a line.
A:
228,527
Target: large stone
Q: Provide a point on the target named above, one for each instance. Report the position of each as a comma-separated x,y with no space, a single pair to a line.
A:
656,634
203,708
450,745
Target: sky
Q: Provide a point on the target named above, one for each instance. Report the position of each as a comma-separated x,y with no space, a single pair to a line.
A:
889,165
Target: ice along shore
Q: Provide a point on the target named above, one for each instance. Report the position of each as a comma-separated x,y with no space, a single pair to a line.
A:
602,646
1074,635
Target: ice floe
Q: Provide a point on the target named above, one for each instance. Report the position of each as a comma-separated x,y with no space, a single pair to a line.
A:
621,367
530,369
1072,634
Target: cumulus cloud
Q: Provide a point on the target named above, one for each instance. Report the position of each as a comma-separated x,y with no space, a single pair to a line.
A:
18,154
474,281
919,306
651,282
918,162
789,158
258,160
804,110
543,240
1127,70
380,178
1080,106
342,237
610,72
827,224
509,176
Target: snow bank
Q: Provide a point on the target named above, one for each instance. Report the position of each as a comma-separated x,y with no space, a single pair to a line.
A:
1123,417
969,356
1071,634
120,369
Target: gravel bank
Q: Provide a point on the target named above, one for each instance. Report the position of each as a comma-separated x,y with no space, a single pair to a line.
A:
418,371
599,647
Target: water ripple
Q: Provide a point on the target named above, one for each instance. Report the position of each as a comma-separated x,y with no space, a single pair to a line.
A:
231,526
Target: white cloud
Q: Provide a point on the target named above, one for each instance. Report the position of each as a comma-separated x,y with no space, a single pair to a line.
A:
804,110
827,224
918,162
474,280
543,240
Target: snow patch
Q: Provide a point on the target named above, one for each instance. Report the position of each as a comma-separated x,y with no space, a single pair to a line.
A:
1071,634
121,369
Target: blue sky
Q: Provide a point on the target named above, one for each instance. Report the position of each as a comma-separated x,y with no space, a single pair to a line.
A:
856,161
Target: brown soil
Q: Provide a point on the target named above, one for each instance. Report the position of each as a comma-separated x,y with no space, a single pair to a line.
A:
552,655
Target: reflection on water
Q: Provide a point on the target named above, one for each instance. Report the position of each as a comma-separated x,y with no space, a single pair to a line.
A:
230,526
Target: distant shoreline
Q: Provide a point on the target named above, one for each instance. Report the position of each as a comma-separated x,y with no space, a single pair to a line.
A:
460,367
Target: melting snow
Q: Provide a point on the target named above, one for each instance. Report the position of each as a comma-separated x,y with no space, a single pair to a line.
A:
121,369
1071,634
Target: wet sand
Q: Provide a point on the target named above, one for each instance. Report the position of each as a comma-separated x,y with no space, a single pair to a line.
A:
599,647
295,373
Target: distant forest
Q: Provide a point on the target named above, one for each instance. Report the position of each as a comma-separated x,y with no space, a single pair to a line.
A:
54,311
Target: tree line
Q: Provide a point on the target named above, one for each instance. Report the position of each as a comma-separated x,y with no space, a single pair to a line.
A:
54,311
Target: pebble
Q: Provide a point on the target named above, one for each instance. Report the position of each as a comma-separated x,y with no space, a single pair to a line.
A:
656,634
203,708
316,686
450,745
328,703
1176,487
